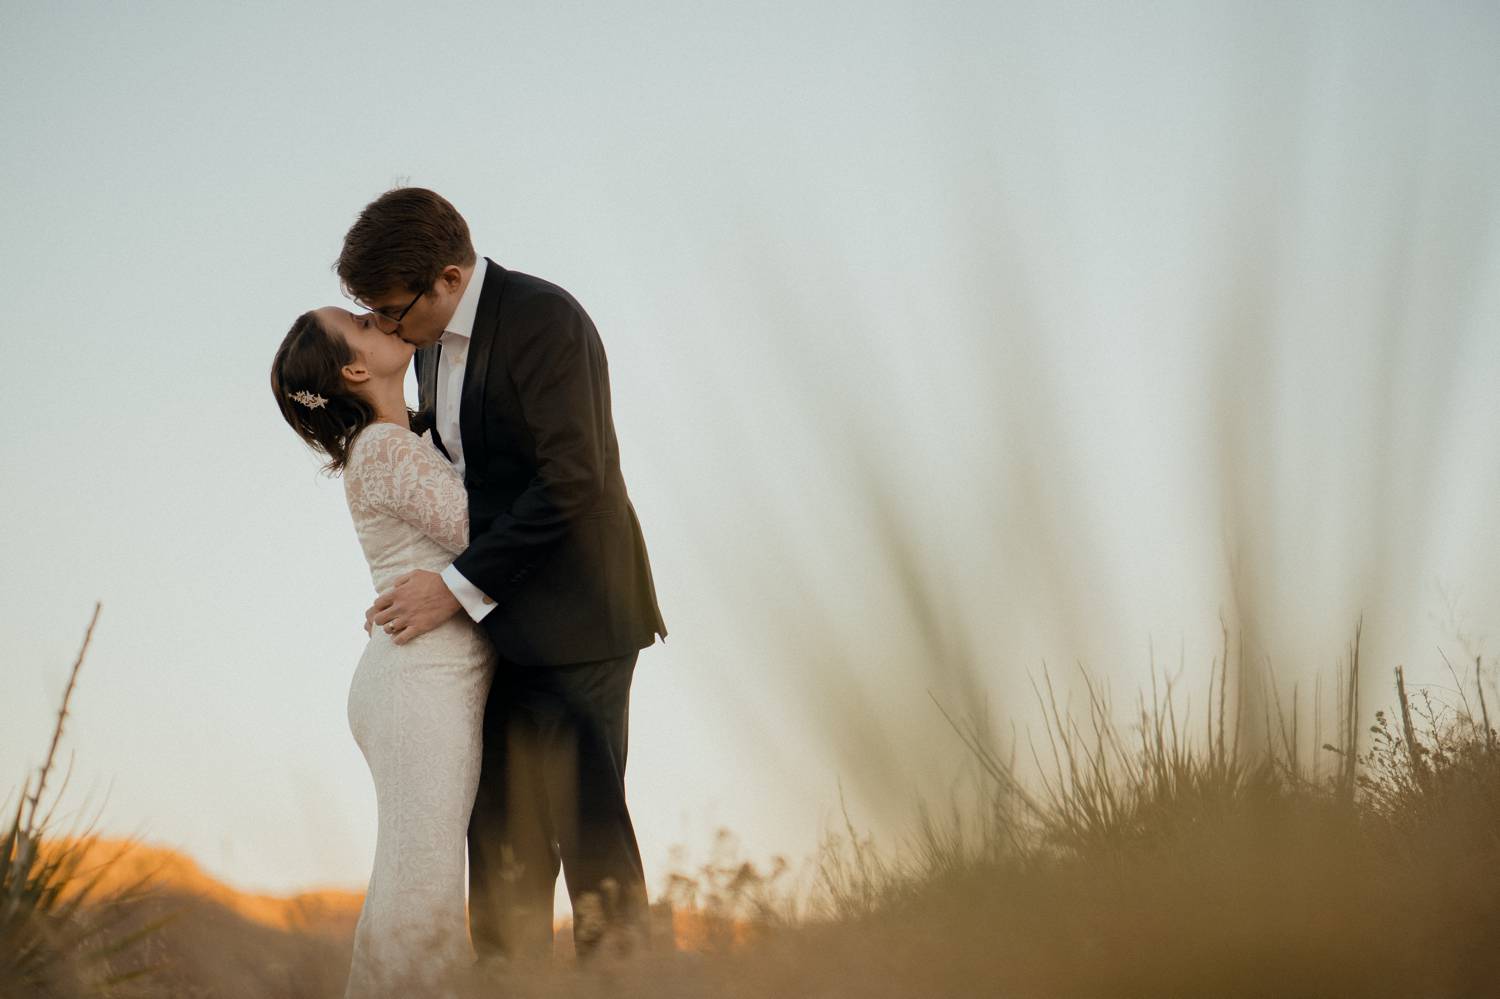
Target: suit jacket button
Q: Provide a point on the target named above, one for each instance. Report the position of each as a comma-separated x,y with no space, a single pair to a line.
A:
488,600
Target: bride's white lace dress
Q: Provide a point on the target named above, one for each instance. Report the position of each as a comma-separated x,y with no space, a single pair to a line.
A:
416,711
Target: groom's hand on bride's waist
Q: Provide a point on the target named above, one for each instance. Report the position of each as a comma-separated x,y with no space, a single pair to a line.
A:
415,604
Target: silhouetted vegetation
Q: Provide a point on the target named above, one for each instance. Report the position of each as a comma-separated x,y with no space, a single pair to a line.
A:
1143,859
61,935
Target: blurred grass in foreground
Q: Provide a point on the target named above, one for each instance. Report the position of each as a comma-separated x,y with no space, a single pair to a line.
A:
63,932
1147,860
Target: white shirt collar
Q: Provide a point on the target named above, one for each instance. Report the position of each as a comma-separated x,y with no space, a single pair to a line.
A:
462,323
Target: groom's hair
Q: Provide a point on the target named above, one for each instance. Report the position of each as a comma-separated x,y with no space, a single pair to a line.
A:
402,241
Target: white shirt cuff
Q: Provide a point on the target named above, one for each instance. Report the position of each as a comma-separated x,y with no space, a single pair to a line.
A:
475,603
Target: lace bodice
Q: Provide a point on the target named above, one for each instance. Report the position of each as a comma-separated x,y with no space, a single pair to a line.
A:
409,506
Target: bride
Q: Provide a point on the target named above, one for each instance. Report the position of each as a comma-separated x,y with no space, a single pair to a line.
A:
415,709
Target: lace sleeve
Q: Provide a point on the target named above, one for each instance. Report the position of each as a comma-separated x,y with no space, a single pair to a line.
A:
399,474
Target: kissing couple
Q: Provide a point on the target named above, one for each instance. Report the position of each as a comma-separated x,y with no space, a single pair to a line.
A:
492,701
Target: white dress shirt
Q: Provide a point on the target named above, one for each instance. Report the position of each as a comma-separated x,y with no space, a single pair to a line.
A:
447,393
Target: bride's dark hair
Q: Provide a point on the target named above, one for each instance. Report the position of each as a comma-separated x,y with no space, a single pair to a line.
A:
310,360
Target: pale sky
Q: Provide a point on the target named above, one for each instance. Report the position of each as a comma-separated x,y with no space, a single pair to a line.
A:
1122,314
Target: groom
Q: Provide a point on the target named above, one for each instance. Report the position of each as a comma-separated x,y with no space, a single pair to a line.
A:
513,377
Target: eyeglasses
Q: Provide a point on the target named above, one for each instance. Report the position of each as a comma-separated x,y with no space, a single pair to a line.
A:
387,323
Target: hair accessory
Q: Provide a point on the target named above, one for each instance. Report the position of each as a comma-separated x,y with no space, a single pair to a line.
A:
309,399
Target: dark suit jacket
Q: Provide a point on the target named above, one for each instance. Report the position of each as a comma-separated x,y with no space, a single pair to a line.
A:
553,539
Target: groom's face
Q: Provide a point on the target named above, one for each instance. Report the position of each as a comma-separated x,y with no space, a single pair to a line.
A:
425,321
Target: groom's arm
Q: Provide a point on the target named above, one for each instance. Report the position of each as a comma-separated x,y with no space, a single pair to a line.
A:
556,364
557,367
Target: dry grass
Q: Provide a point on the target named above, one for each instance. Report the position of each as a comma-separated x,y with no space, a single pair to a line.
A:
63,933
1141,860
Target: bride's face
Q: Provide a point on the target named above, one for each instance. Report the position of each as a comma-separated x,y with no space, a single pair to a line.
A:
384,355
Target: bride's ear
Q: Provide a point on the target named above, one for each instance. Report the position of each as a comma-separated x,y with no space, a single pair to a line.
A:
355,373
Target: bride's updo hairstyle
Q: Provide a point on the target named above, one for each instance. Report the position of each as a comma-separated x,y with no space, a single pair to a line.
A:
309,387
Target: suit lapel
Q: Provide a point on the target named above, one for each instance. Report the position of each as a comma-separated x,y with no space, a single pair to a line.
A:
483,343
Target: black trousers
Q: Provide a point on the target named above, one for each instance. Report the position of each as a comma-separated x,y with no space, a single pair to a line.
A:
552,795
